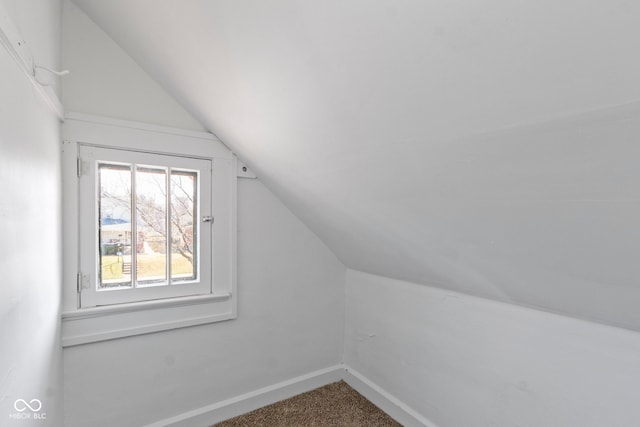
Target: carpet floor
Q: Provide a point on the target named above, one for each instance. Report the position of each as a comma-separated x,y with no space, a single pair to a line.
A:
335,404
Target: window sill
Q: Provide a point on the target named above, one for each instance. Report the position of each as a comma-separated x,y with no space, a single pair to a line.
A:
89,325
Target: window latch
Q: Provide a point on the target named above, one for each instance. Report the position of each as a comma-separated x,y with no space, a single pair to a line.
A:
207,219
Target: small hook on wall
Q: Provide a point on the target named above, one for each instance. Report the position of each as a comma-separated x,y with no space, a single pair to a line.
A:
42,67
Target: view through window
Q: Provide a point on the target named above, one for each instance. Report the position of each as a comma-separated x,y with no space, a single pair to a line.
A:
135,249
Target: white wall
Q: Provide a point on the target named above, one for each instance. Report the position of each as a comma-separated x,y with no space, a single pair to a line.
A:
104,80
30,351
465,361
290,323
290,302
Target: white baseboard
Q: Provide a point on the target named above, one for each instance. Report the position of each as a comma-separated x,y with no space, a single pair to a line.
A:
395,408
229,408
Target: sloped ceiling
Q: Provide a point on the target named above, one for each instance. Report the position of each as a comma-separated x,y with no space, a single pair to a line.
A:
488,147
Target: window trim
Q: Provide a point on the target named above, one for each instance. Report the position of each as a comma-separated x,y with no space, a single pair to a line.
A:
84,325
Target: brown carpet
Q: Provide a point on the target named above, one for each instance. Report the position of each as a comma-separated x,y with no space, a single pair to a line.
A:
335,404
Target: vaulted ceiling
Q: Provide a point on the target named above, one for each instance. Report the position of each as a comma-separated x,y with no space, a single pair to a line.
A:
487,147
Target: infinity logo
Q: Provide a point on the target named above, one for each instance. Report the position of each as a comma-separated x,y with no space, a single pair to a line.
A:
21,405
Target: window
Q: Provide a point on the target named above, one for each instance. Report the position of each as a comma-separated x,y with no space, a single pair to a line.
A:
149,229
145,226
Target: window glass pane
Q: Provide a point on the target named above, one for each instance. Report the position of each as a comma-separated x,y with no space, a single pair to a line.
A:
151,226
183,226
114,222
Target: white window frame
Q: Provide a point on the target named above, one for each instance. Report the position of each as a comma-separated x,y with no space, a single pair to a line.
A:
96,323
90,156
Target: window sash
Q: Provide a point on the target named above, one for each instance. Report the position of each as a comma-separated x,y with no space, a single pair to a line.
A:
90,295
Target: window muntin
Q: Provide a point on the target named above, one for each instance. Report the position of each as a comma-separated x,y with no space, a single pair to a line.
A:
137,200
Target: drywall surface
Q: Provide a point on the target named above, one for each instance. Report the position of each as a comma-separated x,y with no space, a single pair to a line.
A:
30,350
291,286
438,142
290,323
465,361
105,81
